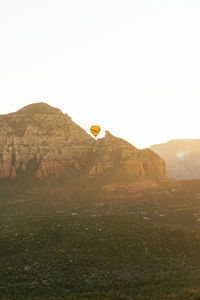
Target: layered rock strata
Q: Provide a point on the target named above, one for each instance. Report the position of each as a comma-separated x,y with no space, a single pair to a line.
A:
41,141
131,163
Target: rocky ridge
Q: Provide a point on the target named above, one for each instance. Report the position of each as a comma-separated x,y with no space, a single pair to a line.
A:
40,141
116,153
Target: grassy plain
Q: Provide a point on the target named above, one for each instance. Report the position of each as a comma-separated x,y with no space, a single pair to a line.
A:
55,244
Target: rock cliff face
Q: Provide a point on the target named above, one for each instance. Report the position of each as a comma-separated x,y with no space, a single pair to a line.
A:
124,171
41,141
182,158
127,161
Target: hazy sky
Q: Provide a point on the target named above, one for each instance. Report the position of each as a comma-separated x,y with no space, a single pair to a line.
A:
130,66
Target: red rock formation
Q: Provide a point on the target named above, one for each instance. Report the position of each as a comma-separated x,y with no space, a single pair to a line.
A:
41,141
128,161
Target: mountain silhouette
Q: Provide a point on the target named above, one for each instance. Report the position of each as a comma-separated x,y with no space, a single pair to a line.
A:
182,158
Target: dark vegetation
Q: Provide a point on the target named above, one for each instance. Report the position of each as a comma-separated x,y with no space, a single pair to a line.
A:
57,243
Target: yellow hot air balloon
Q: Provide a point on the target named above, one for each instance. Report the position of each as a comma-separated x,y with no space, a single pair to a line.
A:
95,129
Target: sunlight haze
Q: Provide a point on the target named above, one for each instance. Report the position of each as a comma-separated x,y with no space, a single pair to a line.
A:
132,67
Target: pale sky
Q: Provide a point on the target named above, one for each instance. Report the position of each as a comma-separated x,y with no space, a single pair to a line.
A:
130,66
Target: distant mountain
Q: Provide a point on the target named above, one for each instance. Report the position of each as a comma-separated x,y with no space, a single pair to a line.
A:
40,141
182,158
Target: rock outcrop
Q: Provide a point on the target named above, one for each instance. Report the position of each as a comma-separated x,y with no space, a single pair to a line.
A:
41,141
128,162
182,158
124,171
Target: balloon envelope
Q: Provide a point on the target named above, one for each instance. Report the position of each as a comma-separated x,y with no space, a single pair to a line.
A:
95,129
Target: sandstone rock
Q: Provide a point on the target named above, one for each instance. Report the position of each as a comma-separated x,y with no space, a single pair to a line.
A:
41,141
127,161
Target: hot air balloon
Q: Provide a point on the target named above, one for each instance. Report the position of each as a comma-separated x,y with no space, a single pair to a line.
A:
95,129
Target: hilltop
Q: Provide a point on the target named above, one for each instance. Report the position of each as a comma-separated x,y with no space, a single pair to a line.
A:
39,108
